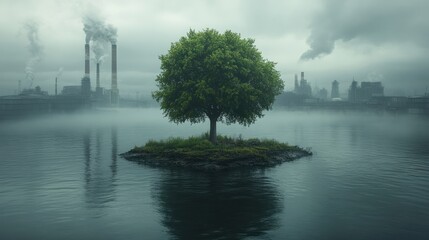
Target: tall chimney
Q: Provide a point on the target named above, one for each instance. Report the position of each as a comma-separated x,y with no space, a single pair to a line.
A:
86,82
302,75
56,85
98,76
87,60
114,90
296,82
98,91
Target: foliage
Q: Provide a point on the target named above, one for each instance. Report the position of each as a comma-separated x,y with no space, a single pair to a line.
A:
219,76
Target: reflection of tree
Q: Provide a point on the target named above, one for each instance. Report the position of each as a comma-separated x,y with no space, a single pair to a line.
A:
217,206
99,174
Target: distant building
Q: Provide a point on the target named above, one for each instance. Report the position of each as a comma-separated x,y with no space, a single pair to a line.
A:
335,91
289,99
296,83
323,94
354,92
34,91
372,89
71,90
365,91
303,88
86,87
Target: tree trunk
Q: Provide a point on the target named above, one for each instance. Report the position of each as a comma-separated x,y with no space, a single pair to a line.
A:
213,130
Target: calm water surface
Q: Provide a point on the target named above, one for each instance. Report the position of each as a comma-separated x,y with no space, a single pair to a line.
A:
61,178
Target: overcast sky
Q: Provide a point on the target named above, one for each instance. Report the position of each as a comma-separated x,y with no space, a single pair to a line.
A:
370,40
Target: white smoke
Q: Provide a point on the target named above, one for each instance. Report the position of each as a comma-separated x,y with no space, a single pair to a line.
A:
99,47
59,72
35,49
112,33
100,33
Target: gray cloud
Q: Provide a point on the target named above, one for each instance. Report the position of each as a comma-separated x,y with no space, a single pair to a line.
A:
276,18
376,22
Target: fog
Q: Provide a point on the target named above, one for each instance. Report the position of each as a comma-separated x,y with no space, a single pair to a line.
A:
151,122
327,39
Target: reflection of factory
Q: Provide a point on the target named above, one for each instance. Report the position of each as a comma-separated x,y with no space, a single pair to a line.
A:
100,169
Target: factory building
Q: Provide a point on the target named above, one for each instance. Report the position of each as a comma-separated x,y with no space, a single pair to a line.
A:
35,101
100,96
335,91
365,91
303,87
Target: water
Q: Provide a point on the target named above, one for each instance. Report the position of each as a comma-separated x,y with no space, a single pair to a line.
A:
61,178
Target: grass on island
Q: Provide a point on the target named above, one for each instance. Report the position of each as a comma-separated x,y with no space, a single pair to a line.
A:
226,148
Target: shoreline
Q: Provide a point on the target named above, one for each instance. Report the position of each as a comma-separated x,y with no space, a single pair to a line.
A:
235,162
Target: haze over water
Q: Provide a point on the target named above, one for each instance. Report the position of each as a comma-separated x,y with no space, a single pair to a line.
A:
61,178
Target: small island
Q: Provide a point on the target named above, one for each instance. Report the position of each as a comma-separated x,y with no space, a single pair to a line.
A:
228,153
220,77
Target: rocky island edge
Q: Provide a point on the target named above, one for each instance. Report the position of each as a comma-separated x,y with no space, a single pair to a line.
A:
228,153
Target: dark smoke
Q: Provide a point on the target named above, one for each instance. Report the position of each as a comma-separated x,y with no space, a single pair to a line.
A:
374,22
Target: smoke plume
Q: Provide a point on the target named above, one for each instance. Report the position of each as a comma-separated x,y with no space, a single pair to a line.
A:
99,47
59,72
100,33
373,22
35,49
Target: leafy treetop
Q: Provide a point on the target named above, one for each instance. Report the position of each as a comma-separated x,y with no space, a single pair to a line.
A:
219,76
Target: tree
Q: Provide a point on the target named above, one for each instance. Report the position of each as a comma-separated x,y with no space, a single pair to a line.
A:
219,76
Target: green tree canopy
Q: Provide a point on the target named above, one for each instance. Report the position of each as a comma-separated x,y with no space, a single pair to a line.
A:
219,76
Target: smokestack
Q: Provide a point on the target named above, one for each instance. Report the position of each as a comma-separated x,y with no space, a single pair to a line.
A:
302,75
86,82
56,85
87,60
98,91
296,82
98,76
114,90
114,69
